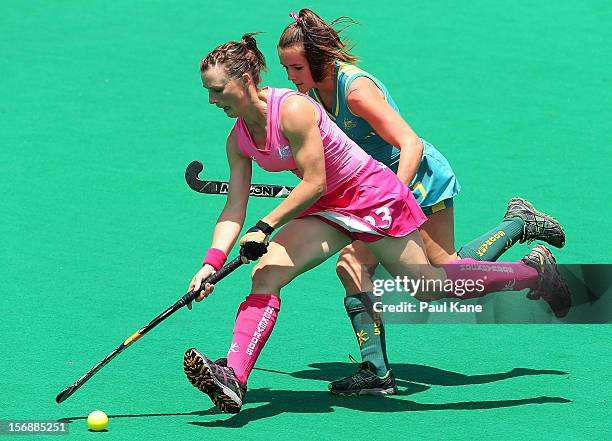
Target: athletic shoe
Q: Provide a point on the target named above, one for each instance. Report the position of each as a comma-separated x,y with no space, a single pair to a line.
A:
551,286
218,382
364,382
538,225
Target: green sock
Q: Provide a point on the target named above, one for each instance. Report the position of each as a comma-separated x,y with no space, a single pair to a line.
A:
369,330
495,242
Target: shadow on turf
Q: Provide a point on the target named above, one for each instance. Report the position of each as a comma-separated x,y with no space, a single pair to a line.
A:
212,411
284,401
408,374
409,378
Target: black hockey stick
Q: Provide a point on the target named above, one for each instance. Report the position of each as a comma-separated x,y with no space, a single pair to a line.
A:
221,187
190,296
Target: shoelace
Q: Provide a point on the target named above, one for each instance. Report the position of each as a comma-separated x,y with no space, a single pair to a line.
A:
538,227
221,371
362,374
351,358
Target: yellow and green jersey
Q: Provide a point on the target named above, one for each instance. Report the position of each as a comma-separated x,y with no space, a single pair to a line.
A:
434,185
357,128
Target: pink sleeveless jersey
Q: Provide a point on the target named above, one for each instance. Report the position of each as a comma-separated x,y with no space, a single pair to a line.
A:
343,158
364,199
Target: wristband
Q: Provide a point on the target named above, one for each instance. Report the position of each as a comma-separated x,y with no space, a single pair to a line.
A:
267,229
215,258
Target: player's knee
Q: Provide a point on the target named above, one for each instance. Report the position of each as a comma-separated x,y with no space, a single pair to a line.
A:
346,271
269,277
355,276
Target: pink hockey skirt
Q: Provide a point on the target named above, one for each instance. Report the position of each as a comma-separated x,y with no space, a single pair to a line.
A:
370,205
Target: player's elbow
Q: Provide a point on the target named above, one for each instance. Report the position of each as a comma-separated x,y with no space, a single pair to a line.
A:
419,146
412,143
318,187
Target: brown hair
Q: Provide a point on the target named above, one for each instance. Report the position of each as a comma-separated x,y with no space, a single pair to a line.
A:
322,43
237,58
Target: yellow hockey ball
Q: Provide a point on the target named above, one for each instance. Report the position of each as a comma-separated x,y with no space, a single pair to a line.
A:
97,421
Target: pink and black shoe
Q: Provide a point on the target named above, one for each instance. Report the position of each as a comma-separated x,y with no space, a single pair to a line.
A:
216,380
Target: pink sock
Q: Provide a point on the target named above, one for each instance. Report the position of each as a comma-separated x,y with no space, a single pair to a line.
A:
254,323
491,277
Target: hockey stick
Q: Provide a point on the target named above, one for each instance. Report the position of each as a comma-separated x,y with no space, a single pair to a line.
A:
191,295
221,187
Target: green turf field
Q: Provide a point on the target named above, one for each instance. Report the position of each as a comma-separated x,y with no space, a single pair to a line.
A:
102,108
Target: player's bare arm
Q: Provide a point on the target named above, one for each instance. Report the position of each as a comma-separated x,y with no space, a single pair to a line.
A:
367,101
299,125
